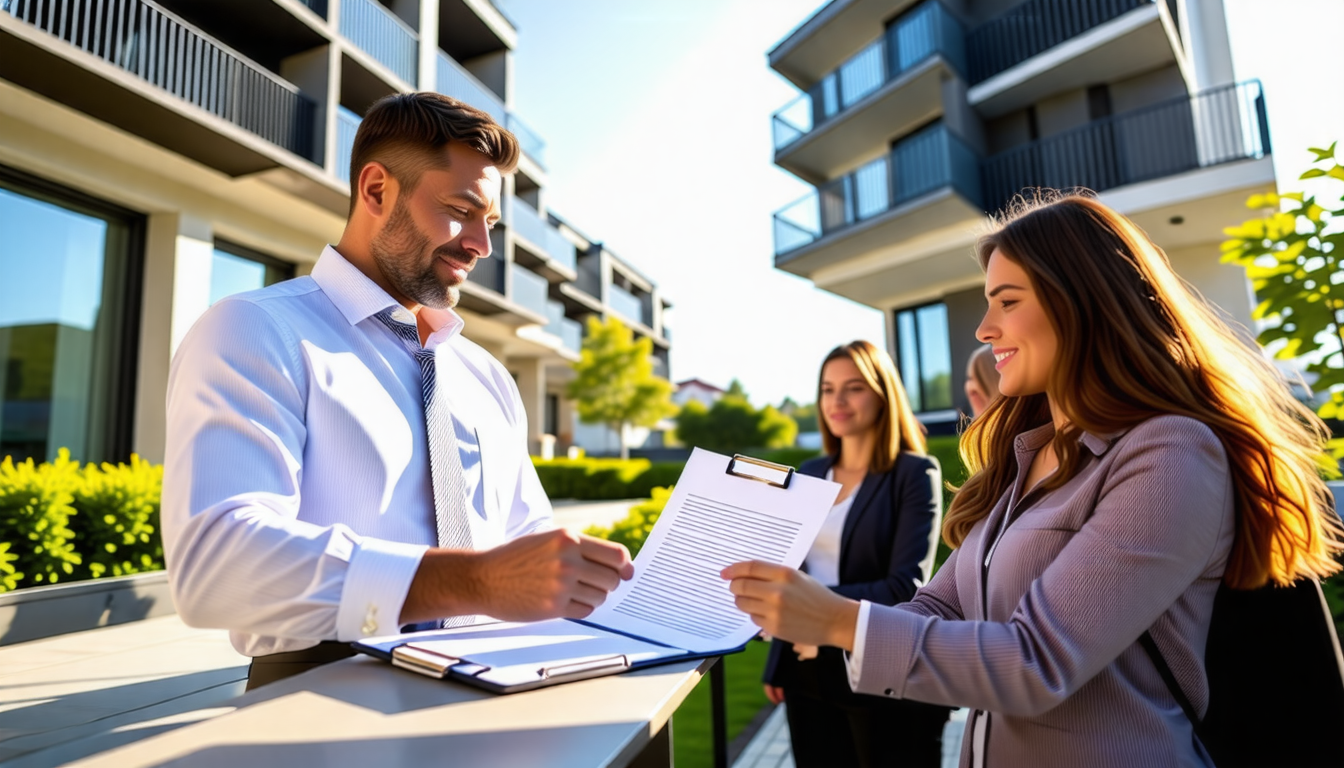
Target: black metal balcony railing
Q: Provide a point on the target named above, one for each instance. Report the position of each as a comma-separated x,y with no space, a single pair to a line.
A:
379,33
1034,27
924,31
589,281
317,6
489,273
151,43
1216,126
923,162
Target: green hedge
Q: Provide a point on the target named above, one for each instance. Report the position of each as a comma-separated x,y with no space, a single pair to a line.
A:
63,522
597,479
605,479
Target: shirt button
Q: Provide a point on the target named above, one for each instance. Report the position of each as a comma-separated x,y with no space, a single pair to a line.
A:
889,692
370,625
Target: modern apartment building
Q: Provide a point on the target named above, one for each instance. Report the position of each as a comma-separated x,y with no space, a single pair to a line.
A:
156,156
917,118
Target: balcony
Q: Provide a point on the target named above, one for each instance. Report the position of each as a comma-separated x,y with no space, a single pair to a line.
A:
347,125
192,94
379,33
1045,47
570,332
876,200
1217,126
489,273
625,304
884,90
529,289
454,80
561,249
527,223
532,144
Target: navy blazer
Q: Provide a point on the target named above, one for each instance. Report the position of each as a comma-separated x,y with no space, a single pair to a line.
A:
889,539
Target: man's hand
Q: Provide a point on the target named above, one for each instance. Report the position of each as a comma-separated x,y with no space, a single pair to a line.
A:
774,693
539,576
791,605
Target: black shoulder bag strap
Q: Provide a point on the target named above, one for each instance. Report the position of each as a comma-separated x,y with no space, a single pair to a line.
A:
1150,645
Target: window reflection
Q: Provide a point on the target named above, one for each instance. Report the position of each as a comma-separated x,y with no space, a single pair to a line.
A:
925,355
235,269
63,326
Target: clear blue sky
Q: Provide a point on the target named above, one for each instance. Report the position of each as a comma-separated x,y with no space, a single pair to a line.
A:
656,115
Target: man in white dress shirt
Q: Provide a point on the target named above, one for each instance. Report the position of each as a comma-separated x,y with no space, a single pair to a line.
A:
298,501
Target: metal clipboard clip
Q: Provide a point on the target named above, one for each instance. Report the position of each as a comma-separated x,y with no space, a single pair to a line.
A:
787,470
619,661
423,661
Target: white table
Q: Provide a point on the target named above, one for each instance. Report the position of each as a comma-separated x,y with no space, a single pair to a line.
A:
361,712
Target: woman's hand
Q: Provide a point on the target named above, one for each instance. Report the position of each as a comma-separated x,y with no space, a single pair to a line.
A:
791,605
774,693
806,652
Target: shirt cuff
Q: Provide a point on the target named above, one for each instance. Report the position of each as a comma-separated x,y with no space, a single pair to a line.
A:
376,584
854,659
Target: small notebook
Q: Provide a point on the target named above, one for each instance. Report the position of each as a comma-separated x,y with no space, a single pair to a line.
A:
723,510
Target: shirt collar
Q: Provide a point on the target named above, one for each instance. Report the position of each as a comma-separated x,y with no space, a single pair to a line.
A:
1034,439
358,298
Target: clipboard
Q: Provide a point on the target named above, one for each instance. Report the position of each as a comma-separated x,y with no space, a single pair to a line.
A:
676,608
431,654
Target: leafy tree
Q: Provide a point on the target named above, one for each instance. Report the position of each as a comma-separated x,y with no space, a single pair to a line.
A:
805,416
614,382
735,389
1292,254
732,425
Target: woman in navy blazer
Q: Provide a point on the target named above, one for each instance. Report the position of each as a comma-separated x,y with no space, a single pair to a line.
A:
878,545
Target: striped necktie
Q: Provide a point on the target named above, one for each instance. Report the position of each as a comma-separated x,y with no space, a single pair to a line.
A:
445,462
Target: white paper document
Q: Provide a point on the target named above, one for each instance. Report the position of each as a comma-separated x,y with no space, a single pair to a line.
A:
676,605
713,520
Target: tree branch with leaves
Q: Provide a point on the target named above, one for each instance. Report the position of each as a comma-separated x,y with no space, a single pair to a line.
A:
1292,255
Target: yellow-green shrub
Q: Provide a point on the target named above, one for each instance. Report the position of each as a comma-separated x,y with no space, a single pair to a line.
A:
633,529
116,524
60,522
36,503
9,577
604,478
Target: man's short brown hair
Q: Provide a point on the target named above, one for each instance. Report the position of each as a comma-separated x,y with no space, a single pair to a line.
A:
407,133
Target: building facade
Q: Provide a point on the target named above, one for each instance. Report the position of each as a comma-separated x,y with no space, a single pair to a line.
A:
918,118
156,156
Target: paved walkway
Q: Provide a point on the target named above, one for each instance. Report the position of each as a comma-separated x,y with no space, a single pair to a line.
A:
770,747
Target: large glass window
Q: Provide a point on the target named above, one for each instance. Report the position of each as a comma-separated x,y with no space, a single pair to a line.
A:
235,269
69,302
924,355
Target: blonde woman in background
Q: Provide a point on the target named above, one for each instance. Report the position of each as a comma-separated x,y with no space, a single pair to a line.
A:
982,380
876,544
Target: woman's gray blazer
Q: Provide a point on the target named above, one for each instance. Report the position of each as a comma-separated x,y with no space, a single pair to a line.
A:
1042,641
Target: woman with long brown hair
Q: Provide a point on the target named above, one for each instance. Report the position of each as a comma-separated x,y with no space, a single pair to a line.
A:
1141,454
877,544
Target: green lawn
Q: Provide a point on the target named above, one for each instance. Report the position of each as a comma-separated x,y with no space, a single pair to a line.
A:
692,731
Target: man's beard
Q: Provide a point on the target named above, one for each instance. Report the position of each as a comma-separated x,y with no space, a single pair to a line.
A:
398,251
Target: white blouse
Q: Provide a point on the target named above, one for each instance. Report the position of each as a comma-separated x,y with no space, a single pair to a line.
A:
823,560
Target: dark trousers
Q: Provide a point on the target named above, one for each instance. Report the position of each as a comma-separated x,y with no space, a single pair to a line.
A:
278,666
831,726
